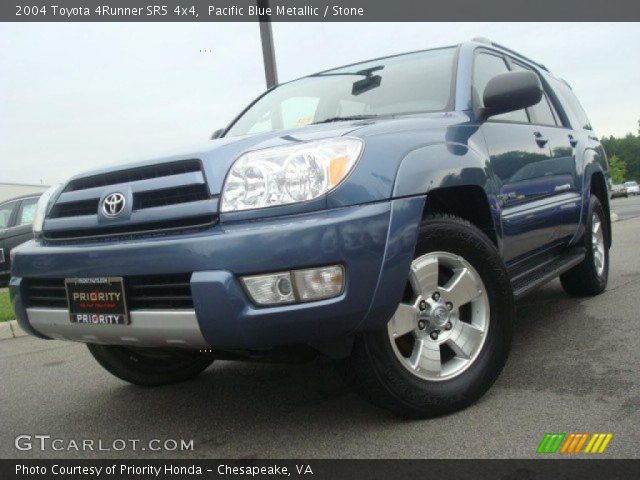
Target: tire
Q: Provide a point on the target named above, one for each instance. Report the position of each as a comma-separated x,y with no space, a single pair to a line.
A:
588,278
379,371
148,366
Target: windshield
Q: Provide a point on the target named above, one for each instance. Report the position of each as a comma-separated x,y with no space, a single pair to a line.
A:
630,184
410,83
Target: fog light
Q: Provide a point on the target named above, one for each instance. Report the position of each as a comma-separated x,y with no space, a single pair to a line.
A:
318,283
271,289
297,286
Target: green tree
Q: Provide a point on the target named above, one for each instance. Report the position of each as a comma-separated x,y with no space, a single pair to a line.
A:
627,149
618,169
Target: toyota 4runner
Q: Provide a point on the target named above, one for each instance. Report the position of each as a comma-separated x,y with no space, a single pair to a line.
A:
385,214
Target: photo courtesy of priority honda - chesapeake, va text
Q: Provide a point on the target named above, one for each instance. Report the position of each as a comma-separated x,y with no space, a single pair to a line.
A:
385,214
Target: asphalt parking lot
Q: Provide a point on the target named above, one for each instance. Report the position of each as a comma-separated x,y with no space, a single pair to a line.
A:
626,207
573,368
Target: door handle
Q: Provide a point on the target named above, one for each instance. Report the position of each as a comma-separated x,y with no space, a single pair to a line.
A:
572,141
540,140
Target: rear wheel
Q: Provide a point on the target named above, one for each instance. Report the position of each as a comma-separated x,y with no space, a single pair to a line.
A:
449,338
149,366
591,275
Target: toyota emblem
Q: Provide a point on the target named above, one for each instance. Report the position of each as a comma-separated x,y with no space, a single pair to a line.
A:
113,204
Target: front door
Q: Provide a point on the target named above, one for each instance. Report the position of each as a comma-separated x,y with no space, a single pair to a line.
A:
519,155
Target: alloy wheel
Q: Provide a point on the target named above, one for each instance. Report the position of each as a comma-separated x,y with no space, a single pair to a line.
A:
440,326
597,244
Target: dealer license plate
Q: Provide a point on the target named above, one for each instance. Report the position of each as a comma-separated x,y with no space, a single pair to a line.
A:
99,300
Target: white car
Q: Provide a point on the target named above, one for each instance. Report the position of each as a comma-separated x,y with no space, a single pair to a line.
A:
632,188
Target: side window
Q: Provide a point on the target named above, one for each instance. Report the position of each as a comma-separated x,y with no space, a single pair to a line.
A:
485,67
541,113
27,211
5,213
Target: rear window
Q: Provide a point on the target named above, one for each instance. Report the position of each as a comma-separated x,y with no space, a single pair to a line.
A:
571,103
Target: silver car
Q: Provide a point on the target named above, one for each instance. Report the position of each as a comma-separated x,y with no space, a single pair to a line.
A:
632,188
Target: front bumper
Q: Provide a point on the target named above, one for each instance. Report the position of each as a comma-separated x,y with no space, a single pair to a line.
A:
374,242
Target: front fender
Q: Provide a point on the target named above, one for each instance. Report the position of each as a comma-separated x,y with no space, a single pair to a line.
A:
433,166
439,166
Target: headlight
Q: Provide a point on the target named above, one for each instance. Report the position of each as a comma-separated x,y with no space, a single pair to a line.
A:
43,206
291,174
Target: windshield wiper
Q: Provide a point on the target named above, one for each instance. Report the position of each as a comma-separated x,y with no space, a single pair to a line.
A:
350,117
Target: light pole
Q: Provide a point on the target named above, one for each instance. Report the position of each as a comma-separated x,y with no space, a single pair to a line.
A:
268,53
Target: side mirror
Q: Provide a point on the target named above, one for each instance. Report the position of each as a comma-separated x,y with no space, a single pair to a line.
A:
217,134
509,92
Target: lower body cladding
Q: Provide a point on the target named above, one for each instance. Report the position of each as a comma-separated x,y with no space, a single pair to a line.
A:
373,243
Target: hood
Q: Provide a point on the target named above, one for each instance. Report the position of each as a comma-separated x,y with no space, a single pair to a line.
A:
218,155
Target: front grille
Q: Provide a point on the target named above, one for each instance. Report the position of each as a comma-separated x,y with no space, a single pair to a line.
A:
74,209
46,293
134,175
76,215
170,196
159,292
148,292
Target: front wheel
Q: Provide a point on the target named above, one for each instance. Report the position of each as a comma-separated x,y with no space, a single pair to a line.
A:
149,366
449,338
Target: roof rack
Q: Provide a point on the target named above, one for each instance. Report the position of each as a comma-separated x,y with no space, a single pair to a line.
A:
486,41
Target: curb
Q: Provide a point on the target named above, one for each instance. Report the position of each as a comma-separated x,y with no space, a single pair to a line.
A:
10,329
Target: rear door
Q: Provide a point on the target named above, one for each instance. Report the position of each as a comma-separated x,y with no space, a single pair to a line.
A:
586,146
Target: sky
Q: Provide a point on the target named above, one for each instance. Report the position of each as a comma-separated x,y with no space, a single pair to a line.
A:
77,96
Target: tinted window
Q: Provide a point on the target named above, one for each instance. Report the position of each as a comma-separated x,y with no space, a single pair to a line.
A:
571,103
541,113
27,211
410,83
485,67
5,213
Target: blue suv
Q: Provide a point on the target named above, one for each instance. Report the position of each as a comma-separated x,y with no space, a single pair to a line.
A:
385,214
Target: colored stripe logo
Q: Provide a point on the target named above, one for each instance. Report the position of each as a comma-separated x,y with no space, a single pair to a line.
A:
574,443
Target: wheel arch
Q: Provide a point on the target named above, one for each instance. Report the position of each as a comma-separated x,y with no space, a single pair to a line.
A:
438,178
597,186
456,179
469,202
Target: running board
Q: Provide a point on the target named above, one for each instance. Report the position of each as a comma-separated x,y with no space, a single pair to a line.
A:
525,282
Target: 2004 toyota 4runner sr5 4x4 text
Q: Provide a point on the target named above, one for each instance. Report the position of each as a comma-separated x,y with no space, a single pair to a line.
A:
386,214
